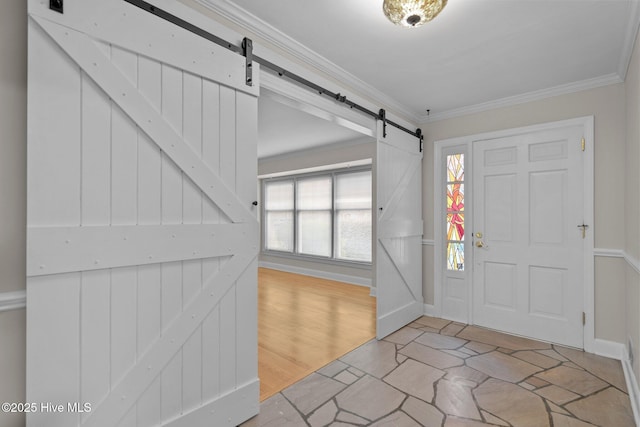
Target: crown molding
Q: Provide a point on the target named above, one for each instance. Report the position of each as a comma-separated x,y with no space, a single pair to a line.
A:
297,50
525,97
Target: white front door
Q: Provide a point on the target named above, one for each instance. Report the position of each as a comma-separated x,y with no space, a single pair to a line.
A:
398,256
142,237
528,246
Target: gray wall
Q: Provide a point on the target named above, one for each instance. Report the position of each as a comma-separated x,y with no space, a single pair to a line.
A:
13,154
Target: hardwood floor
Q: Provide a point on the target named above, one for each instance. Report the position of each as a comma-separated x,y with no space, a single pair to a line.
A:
304,323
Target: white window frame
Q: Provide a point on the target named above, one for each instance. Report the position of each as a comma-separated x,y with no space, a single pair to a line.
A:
333,173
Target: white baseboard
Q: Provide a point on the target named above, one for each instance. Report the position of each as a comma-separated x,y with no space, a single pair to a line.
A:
610,349
430,310
353,280
373,292
13,300
632,388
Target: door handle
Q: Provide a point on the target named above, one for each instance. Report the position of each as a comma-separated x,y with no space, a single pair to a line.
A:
480,244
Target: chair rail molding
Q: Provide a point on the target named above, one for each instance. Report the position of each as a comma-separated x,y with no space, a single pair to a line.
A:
14,300
618,253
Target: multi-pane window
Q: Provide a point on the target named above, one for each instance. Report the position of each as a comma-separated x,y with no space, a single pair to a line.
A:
278,217
353,216
313,212
324,215
455,212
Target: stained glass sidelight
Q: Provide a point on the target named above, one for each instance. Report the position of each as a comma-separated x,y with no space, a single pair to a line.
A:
455,212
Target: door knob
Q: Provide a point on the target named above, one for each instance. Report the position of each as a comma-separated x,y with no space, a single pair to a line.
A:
480,244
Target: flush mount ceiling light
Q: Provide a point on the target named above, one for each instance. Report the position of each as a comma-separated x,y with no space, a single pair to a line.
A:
412,13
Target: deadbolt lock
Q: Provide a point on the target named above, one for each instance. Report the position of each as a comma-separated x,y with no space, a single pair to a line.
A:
479,235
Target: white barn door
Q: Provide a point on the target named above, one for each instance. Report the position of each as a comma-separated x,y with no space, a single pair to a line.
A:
398,258
142,237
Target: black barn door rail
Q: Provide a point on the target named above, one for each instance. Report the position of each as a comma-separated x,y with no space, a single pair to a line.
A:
246,50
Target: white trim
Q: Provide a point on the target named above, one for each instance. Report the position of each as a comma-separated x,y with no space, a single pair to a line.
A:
618,253
430,310
293,95
290,46
428,242
609,253
632,388
633,262
353,280
311,152
13,300
525,97
610,349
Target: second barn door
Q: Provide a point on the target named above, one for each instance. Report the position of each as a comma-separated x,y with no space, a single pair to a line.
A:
398,256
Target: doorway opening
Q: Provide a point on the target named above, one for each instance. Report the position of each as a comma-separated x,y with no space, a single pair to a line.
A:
315,300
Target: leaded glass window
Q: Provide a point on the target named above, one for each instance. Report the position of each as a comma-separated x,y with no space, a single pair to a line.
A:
455,212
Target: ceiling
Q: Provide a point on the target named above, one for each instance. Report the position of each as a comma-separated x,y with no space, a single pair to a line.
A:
475,54
283,129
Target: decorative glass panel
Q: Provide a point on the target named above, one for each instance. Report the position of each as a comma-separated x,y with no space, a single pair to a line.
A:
455,256
455,197
455,212
455,226
455,167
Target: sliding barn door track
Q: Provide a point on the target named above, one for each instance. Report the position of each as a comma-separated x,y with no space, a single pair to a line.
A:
246,50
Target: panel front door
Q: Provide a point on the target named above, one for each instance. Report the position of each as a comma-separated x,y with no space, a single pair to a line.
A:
527,236
142,237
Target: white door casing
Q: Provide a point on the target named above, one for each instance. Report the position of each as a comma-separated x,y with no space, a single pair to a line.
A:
398,258
528,248
141,235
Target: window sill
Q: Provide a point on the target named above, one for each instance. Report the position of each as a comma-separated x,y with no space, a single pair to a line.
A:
320,260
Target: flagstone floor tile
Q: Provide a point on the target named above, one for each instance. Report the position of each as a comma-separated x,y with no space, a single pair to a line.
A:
415,378
610,407
431,356
487,336
370,398
575,380
376,358
312,391
502,366
443,374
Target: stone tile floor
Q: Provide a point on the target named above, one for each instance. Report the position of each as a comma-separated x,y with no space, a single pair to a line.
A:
438,373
